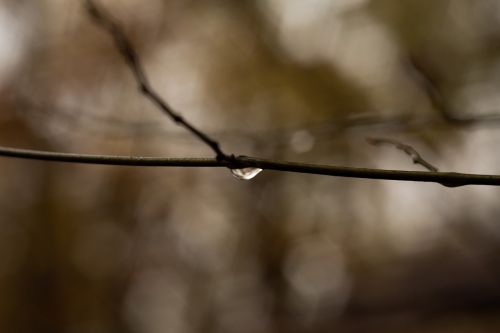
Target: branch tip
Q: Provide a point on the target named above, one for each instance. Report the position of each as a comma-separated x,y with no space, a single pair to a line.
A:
408,150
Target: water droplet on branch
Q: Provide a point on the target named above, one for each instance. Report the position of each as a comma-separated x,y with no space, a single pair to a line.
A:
245,173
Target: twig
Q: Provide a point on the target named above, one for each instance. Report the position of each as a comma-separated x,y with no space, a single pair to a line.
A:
130,55
449,179
116,128
408,150
430,86
108,159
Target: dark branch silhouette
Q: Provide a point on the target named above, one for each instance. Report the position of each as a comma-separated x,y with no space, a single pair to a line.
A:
449,179
408,150
130,55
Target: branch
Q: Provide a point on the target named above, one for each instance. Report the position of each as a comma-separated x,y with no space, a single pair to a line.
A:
449,179
408,150
108,159
430,85
128,52
114,127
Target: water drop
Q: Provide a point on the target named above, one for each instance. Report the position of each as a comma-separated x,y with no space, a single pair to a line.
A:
245,173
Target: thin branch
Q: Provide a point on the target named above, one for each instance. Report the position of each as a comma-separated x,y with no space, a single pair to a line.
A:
449,179
108,159
128,52
408,150
430,85
116,127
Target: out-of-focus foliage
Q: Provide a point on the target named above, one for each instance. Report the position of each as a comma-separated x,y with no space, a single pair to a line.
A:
116,249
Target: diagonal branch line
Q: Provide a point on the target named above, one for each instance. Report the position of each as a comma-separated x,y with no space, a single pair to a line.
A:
430,86
408,150
128,52
449,179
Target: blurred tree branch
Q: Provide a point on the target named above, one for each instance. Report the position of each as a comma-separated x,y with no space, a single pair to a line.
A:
430,85
408,150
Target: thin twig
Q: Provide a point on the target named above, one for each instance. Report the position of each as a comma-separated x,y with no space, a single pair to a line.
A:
113,127
130,55
107,159
449,179
430,85
408,150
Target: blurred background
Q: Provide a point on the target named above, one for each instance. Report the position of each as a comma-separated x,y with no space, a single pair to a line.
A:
92,249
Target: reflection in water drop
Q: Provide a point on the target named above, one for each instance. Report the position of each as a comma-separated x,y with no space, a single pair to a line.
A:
245,173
